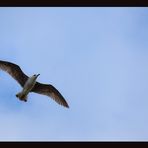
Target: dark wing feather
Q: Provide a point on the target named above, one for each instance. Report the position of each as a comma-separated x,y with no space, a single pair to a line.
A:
15,71
50,91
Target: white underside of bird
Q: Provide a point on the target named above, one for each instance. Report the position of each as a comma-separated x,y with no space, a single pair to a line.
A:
27,88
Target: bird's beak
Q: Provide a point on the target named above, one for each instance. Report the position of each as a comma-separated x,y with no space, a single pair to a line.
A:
38,75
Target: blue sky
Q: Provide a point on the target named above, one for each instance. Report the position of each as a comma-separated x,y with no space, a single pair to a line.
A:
96,57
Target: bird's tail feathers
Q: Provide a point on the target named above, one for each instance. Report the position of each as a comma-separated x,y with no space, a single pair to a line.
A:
21,96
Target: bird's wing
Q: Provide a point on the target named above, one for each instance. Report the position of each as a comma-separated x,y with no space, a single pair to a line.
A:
15,71
50,91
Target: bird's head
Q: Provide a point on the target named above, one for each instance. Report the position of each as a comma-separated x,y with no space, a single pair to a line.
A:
36,75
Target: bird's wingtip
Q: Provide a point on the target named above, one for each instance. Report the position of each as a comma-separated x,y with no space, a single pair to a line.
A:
67,106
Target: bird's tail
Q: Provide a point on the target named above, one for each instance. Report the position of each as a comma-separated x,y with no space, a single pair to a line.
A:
21,96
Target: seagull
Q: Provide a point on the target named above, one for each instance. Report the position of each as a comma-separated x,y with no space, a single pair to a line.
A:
29,84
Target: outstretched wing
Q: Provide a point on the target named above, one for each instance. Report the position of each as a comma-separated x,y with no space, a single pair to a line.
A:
15,71
50,91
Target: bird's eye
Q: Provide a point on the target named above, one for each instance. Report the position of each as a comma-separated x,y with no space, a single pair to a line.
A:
34,75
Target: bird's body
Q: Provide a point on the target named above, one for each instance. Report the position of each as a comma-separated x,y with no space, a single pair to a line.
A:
30,84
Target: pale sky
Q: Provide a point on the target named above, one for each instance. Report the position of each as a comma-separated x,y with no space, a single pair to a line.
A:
96,57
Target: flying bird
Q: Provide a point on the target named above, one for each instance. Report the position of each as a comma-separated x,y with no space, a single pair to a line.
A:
29,84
